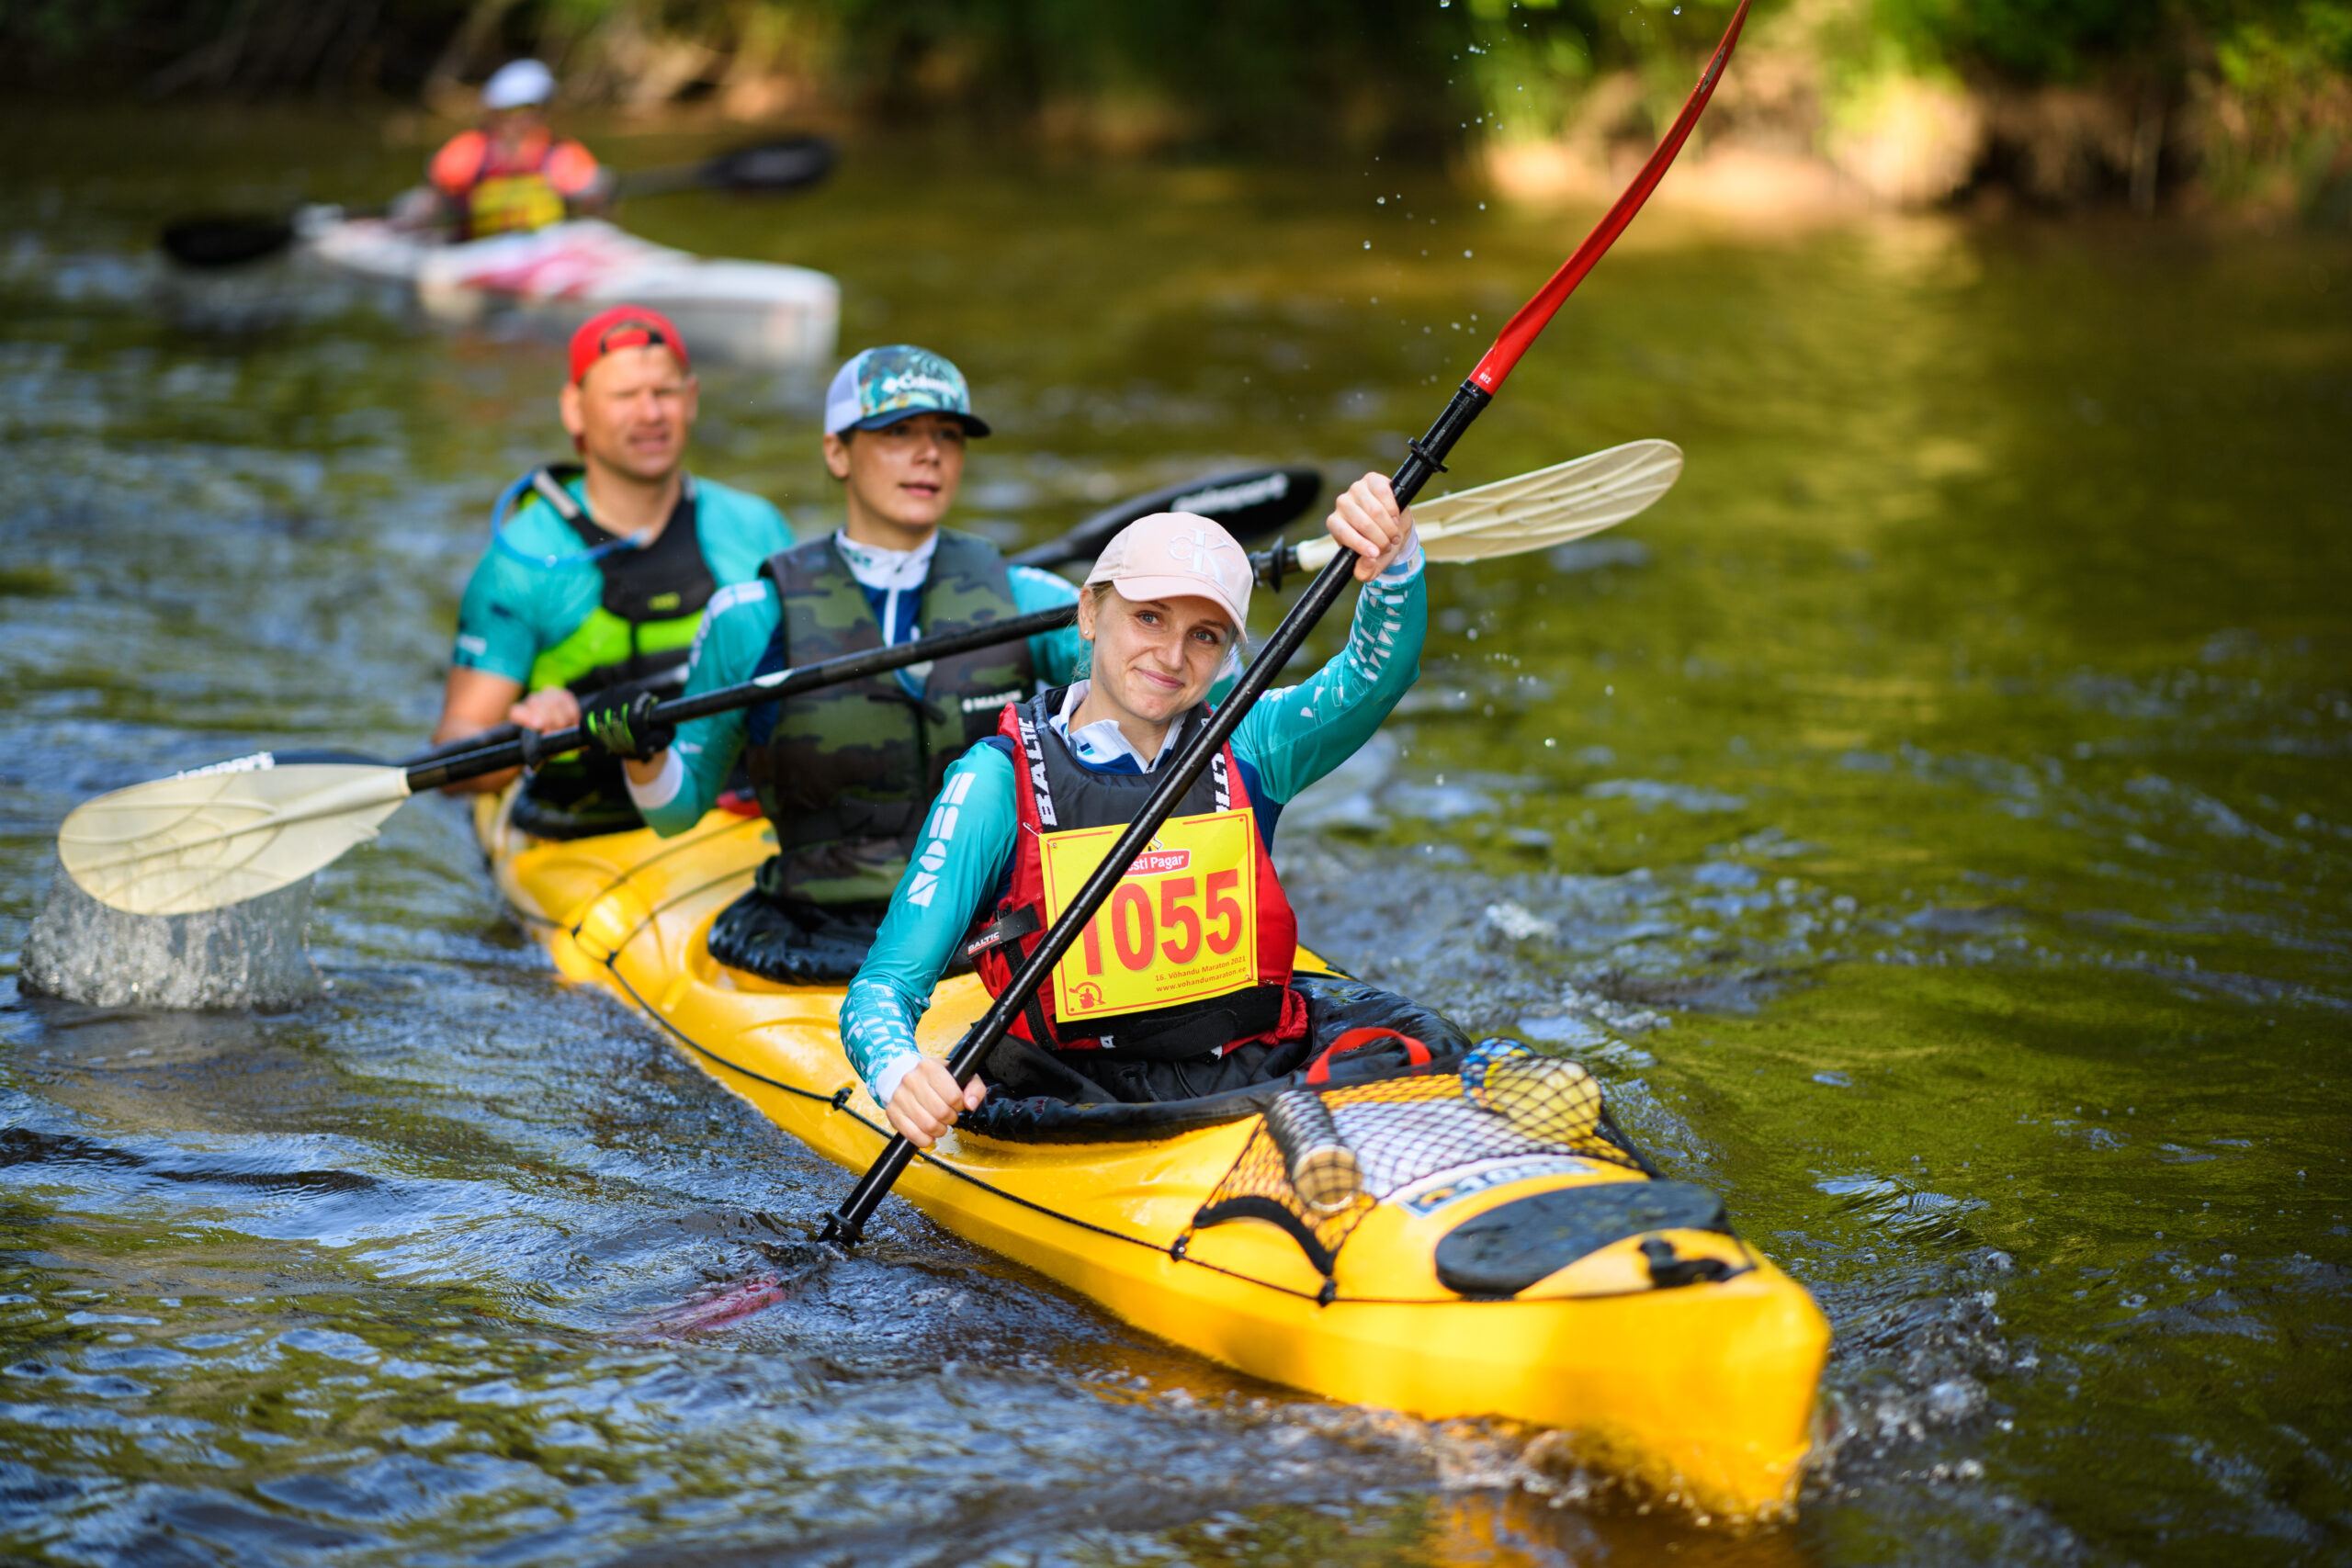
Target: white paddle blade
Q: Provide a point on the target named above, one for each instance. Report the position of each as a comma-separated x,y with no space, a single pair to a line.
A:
225,834
1550,506
1536,510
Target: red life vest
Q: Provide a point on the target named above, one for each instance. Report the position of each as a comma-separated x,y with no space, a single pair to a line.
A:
1059,793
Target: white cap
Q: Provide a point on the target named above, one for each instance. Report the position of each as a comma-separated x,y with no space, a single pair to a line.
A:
1176,555
518,83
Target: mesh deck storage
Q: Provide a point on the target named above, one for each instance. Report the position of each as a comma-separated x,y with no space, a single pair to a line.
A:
1420,1141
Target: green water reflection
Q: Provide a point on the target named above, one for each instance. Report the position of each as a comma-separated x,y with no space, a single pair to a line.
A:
1965,739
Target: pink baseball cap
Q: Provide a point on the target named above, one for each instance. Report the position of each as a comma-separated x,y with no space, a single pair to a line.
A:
1176,555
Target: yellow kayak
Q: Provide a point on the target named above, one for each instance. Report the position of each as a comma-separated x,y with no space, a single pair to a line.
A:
1564,1286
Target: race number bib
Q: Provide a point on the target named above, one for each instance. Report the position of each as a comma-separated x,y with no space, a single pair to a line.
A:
1182,926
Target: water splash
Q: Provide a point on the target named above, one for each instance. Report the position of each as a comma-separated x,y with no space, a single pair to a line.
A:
249,954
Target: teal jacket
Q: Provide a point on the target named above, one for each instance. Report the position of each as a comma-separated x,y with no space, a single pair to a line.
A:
1293,736
737,625
517,613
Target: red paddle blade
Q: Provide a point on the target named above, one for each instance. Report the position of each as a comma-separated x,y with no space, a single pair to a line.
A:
1523,329
717,1310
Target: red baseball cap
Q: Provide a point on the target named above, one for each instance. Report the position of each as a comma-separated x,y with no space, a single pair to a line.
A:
624,326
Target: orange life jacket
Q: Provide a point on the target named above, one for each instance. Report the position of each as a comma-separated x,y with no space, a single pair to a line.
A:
511,192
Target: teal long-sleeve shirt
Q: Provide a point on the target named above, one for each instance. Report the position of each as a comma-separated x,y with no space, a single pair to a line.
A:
1293,736
736,628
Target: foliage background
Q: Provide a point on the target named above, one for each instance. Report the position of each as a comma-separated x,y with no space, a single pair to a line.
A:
2067,102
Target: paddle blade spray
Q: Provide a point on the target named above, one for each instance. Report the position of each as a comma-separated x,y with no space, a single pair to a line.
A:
1424,461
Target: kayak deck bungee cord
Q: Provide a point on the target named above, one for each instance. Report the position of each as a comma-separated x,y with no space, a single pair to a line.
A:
1493,1257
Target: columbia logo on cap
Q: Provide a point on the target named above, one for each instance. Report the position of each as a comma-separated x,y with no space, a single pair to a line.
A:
881,386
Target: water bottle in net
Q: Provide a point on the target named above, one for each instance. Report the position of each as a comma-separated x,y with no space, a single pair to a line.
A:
1322,1168
1549,1098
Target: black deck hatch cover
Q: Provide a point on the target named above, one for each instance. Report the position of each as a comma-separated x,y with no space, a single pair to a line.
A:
1504,1250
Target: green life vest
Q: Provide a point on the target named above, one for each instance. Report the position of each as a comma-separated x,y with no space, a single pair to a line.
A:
642,628
847,774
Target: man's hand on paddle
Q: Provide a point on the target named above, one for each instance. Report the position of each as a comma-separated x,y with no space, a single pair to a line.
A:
1368,521
477,700
927,1103
547,710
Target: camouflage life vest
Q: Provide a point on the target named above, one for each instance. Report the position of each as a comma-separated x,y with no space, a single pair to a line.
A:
847,774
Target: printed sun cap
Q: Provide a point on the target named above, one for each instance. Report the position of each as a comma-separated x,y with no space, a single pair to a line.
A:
1176,555
883,386
518,83
624,326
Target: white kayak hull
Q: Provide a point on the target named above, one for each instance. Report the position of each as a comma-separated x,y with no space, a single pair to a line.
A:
762,314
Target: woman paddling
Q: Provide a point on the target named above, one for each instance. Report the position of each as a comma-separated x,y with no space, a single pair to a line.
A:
1182,986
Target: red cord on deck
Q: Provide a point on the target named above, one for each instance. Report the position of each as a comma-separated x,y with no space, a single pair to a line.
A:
1523,329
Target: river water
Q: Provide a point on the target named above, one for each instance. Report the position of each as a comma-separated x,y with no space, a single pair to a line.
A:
1939,804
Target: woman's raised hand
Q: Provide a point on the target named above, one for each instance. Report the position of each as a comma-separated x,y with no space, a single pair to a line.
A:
1367,520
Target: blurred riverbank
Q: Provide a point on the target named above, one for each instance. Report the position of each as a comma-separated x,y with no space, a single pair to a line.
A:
2144,105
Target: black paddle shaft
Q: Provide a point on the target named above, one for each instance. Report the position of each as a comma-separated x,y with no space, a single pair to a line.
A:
1248,503
531,749
220,240
791,164
462,745
1425,459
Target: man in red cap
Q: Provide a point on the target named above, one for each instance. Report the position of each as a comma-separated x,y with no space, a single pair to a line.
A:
598,572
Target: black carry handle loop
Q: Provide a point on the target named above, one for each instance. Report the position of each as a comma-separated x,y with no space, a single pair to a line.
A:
846,1224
